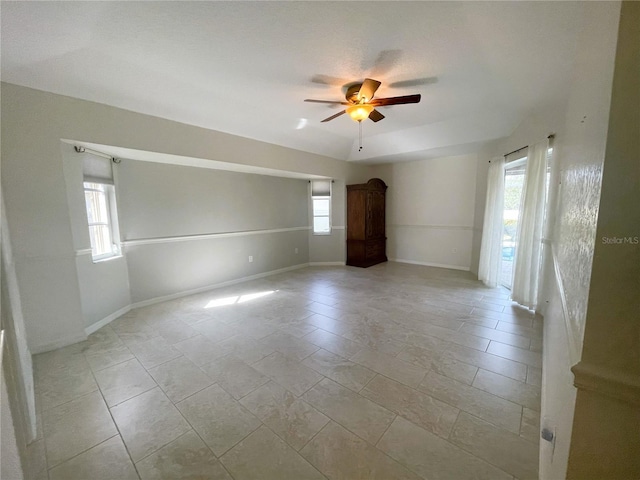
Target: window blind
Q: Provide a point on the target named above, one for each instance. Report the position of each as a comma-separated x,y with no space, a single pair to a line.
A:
97,169
320,188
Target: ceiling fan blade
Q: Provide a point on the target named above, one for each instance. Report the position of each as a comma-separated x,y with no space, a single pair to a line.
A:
334,102
376,116
368,89
415,82
328,80
383,102
328,119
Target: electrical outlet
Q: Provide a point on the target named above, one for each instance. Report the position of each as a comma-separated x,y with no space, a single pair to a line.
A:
454,250
250,258
296,251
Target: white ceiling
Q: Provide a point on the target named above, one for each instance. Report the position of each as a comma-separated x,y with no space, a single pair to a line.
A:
246,67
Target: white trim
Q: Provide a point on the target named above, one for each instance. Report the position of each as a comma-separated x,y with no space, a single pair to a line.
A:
106,320
327,264
185,293
433,227
624,386
574,348
47,347
429,264
205,236
83,251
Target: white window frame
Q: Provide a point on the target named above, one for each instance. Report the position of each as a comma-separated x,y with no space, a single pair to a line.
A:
112,220
314,215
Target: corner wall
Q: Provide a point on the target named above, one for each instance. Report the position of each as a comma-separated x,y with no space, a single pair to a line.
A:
188,228
430,210
35,190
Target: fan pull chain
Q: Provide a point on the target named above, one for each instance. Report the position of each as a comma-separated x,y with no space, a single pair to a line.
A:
360,135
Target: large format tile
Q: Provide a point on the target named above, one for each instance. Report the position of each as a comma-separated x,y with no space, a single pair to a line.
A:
180,378
452,368
534,376
490,362
508,451
263,456
187,457
530,426
289,345
339,369
492,334
56,388
123,381
245,347
477,402
199,349
216,330
391,367
360,415
101,360
432,457
106,461
294,420
235,376
341,455
518,392
154,352
76,426
132,329
219,419
333,343
173,330
292,375
516,354
420,408
147,422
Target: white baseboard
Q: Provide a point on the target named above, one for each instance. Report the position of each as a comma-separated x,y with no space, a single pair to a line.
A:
327,264
173,296
47,347
106,320
429,264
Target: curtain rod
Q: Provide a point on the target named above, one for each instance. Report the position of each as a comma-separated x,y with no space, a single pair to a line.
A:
95,152
515,151
550,136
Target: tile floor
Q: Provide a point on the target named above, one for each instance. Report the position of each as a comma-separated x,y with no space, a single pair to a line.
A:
396,371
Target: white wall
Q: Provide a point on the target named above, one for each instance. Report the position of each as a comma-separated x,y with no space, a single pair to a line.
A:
234,216
430,210
35,189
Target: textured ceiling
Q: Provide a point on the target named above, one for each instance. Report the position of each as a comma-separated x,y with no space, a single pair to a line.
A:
246,67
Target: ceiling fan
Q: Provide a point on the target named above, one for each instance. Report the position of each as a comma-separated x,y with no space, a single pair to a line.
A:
361,104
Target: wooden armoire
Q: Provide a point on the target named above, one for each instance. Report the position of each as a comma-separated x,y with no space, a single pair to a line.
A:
366,240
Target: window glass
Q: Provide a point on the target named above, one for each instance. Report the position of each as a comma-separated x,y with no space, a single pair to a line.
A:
99,200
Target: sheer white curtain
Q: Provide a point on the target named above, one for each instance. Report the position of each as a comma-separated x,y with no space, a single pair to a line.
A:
530,228
492,229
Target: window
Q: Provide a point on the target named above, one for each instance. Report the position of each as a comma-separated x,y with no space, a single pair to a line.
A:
321,204
101,215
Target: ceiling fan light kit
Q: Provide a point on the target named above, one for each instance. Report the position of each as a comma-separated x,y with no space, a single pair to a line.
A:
359,112
361,105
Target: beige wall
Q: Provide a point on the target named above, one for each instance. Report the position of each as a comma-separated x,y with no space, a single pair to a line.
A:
430,210
34,183
580,126
574,192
